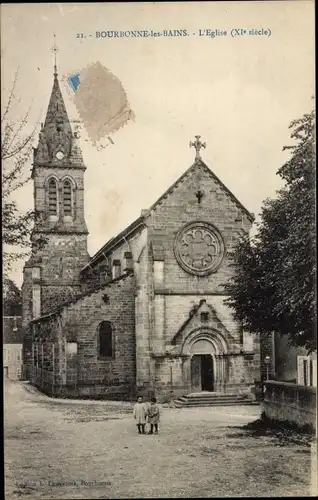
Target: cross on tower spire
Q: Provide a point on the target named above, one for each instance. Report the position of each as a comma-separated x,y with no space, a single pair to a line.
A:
55,50
197,144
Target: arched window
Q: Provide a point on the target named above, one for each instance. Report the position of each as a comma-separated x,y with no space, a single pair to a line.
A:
52,197
67,197
105,333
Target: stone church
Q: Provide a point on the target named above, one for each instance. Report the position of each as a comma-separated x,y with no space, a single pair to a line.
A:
145,314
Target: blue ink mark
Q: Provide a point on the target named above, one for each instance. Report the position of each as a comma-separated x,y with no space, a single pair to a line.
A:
74,81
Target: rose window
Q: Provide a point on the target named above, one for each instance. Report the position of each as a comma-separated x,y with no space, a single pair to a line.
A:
199,248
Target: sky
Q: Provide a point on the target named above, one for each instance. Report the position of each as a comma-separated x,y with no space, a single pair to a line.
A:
239,93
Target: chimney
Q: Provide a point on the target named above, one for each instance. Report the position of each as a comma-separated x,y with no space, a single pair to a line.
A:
128,261
116,269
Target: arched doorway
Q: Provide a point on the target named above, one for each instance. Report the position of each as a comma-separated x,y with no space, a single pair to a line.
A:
202,372
206,365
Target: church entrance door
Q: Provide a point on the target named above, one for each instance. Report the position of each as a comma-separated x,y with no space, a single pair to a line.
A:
207,376
202,376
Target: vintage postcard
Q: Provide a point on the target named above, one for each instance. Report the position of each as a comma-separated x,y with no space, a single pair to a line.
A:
158,165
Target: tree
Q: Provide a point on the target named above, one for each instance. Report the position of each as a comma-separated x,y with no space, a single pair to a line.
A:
273,285
16,149
12,300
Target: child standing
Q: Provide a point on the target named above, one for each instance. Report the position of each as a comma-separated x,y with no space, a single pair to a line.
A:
153,416
140,414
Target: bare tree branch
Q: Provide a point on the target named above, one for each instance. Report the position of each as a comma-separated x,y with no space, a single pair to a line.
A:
16,151
11,97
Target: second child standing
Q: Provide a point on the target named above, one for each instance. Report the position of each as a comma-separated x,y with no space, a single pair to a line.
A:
153,414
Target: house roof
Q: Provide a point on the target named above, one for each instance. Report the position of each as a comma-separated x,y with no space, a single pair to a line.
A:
12,330
134,225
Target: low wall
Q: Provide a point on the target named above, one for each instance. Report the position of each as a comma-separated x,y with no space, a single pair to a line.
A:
294,403
46,382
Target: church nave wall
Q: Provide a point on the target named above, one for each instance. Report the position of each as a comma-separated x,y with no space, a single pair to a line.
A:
91,373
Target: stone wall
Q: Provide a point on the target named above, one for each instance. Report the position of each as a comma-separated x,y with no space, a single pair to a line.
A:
102,267
59,245
296,404
86,374
173,292
133,244
41,175
142,324
177,308
62,260
26,291
148,310
181,207
51,278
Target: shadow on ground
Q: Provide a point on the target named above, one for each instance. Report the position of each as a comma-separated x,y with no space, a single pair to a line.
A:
282,434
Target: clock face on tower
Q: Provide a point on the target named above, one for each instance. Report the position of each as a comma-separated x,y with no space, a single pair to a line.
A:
59,155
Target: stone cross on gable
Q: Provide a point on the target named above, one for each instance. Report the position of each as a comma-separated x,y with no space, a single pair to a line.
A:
198,145
199,195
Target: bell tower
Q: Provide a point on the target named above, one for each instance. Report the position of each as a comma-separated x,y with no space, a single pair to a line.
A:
59,237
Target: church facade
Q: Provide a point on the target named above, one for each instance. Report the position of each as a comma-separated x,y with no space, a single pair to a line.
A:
146,314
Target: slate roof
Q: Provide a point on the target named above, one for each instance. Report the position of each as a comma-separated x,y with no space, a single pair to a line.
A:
57,133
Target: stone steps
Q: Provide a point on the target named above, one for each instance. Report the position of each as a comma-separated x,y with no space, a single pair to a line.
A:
211,399
214,404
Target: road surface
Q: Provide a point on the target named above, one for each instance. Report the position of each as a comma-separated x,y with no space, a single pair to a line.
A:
90,449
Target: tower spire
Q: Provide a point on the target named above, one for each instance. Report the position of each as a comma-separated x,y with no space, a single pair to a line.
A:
56,134
55,50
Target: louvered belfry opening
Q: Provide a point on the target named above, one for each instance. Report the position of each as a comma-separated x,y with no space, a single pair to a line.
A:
52,197
67,197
